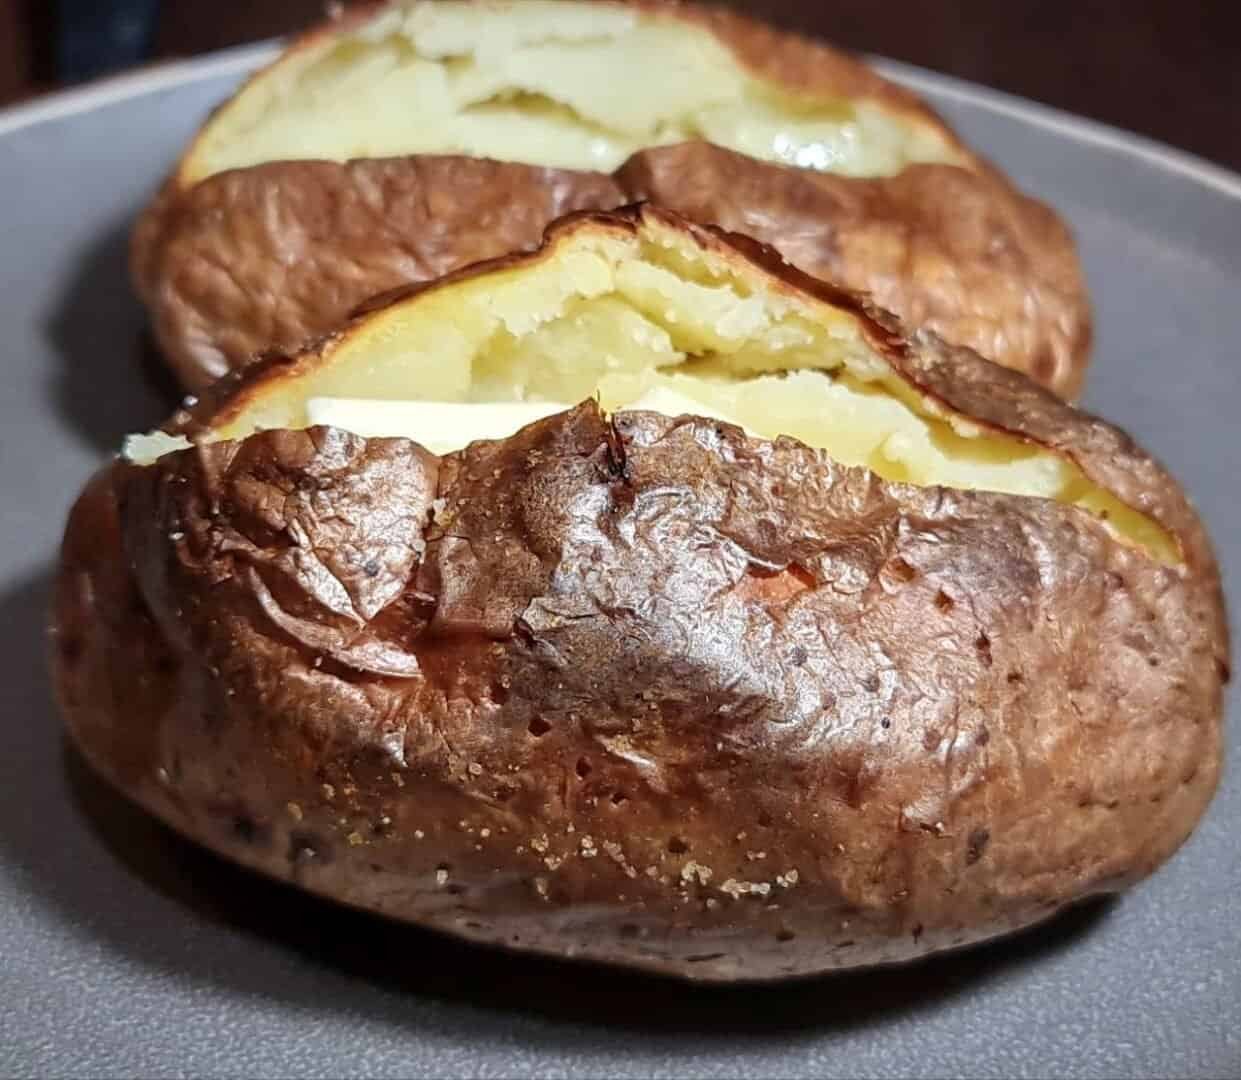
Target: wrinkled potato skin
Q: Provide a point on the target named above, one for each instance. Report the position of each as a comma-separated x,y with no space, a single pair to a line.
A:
272,256
645,691
625,667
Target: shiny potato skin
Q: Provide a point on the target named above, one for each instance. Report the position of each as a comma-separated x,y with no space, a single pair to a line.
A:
272,256
648,692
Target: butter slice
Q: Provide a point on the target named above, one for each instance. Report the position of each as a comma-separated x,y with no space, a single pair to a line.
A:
445,426
440,426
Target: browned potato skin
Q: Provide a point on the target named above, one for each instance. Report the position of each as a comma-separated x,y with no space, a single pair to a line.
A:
272,256
646,691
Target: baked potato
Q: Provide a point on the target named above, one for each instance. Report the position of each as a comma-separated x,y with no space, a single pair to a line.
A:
405,141
621,680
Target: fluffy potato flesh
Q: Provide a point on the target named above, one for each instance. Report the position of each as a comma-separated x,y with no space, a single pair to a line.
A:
653,318
545,82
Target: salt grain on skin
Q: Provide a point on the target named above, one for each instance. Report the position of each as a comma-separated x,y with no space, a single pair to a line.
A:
692,870
737,889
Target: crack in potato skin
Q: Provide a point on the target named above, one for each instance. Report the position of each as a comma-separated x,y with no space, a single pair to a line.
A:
271,256
964,711
1120,482
957,252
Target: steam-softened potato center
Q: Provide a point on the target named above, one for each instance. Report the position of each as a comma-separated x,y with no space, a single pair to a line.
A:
651,321
544,82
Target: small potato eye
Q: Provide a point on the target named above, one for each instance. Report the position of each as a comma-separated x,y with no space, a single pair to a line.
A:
539,727
901,570
619,798
583,768
677,846
983,645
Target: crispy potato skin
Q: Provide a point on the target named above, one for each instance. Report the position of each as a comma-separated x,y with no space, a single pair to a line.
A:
648,692
272,256
645,691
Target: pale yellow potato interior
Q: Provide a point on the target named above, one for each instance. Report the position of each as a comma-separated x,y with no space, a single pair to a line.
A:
653,320
546,82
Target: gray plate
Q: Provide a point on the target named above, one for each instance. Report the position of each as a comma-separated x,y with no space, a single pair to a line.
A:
124,951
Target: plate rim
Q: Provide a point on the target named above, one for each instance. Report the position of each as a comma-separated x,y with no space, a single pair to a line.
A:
243,59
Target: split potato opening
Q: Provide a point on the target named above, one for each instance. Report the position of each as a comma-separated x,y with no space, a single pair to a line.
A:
644,312
559,83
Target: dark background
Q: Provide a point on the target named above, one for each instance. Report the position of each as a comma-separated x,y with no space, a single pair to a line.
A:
1170,69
